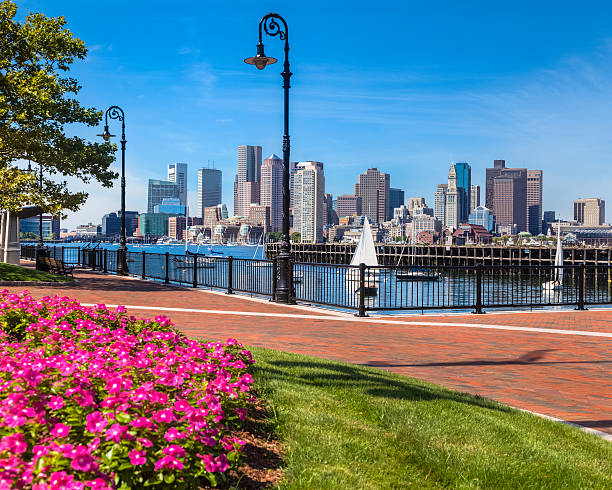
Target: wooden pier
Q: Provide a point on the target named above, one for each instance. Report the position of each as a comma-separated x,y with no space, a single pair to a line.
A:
440,255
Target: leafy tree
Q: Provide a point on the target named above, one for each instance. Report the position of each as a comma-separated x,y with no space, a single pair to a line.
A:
296,236
37,101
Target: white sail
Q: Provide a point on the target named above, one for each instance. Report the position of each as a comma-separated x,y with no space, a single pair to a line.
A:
366,251
559,258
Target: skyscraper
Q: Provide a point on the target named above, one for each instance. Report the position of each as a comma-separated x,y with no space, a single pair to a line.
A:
452,213
498,166
534,201
158,191
440,203
474,197
177,173
272,190
209,189
464,188
246,185
308,210
373,188
396,199
510,198
348,205
590,211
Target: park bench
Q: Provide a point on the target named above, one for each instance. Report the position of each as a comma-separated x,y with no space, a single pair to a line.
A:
58,266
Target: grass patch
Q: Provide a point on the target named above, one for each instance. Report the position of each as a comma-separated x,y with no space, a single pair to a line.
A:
10,272
346,426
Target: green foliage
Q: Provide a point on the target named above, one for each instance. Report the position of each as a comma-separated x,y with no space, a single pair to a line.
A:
274,236
36,103
296,237
348,426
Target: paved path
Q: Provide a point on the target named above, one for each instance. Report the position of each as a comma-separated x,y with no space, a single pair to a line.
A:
556,363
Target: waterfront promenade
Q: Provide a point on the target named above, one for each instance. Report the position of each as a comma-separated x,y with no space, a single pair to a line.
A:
556,363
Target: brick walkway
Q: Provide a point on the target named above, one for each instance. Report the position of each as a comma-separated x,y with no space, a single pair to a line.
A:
564,373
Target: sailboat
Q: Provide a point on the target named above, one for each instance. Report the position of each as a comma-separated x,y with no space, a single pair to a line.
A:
557,283
365,253
415,274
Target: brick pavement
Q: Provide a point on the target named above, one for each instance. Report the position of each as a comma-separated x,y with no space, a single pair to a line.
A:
568,376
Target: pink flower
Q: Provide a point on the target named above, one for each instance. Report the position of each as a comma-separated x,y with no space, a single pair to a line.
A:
173,433
96,422
144,442
174,450
137,457
15,444
116,432
169,462
166,416
60,430
55,403
82,460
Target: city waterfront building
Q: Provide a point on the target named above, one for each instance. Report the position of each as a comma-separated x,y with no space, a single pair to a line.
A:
424,222
259,215
416,202
472,234
452,213
177,173
309,209
534,201
401,213
224,213
484,217
373,188
463,173
440,202
29,227
590,211
549,218
246,185
510,198
498,167
177,225
396,199
160,190
348,205
153,224
474,197
170,205
330,216
272,190
209,189
88,231
111,224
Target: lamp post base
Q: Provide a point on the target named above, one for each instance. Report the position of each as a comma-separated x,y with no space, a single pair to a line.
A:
284,289
122,268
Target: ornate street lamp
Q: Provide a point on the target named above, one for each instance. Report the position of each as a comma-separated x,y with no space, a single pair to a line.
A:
115,112
272,27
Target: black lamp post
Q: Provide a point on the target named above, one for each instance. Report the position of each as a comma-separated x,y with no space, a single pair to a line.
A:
272,27
115,112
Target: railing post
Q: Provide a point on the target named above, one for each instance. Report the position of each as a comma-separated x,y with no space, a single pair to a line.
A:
92,257
478,305
581,281
105,260
362,268
63,248
144,264
195,270
230,275
274,277
167,278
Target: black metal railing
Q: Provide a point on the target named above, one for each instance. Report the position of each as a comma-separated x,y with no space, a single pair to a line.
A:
363,288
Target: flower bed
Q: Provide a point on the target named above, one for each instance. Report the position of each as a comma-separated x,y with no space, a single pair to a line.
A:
91,398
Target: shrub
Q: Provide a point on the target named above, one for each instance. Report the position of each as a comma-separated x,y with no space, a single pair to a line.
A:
91,398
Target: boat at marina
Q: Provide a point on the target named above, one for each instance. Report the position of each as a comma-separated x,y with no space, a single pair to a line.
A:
365,253
557,283
414,273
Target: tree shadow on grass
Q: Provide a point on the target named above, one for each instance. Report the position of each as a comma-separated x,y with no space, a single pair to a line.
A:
370,382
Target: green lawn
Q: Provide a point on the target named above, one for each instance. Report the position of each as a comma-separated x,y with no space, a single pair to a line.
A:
345,426
9,272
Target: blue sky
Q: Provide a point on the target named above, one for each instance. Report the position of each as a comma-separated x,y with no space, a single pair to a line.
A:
406,87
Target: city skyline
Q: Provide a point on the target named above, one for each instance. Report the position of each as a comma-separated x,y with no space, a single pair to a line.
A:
537,102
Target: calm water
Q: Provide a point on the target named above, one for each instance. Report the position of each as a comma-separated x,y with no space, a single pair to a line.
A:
338,285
